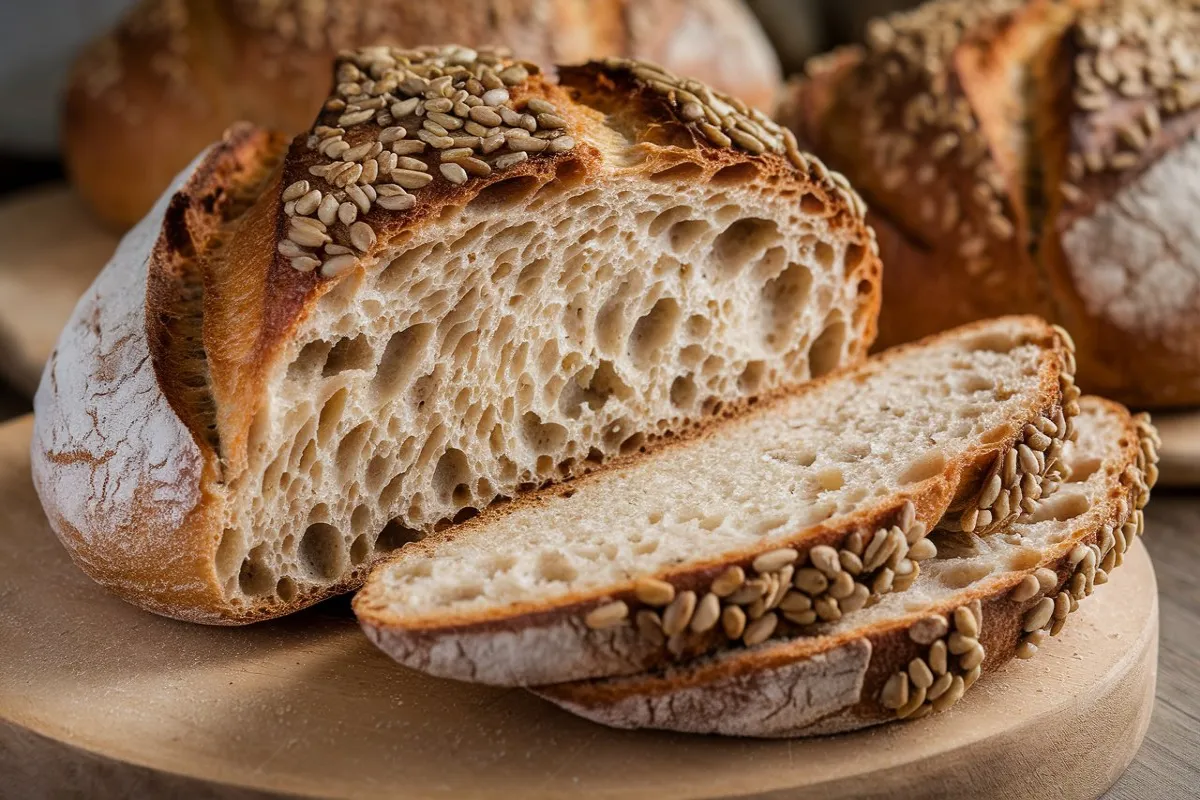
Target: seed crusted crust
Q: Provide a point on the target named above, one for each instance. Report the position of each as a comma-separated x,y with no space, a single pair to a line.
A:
907,667
221,301
145,98
756,594
1048,119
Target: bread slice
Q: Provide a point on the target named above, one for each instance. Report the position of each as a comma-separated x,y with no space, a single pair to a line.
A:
981,602
302,360
820,498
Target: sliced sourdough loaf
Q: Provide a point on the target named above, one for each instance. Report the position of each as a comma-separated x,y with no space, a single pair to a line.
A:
979,603
800,510
468,280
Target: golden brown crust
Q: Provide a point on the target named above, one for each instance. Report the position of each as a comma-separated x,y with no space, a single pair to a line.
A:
145,99
619,651
1007,616
993,141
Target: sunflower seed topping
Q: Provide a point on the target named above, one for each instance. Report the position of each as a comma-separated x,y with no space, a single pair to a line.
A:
392,110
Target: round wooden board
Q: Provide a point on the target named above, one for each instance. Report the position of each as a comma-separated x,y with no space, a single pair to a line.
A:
98,699
51,248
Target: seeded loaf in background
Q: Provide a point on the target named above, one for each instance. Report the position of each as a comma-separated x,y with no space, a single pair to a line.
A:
681,551
1030,157
979,603
144,99
466,281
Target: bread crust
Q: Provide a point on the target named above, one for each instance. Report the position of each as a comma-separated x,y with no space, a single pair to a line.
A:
831,684
205,267
1096,202
143,100
527,644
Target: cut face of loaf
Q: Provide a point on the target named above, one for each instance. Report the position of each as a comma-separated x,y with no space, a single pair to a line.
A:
803,509
467,281
980,602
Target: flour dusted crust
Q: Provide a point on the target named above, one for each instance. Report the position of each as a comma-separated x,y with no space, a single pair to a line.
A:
197,317
839,682
536,641
144,99
1016,158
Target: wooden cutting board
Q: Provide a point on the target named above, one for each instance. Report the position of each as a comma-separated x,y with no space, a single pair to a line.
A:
50,250
98,699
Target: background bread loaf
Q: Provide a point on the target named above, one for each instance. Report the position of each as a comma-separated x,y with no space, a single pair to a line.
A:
145,99
467,280
1030,156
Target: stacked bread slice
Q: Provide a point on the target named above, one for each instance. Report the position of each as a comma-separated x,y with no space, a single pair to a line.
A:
982,601
807,509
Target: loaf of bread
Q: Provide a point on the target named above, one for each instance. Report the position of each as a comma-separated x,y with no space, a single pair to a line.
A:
145,99
1030,157
466,281
689,549
979,603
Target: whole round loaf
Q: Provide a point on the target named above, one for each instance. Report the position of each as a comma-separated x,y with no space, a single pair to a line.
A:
145,99
307,356
1033,157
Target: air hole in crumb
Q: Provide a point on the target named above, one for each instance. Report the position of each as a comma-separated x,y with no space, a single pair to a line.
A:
285,589
1061,506
506,193
684,235
360,549
960,576
394,536
811,204
451,472
752,376
322,551
348,354
331,415
312,357
1083,468
740,173
825,255
633,443
994,341
830,479
653,331
826,352
685,172
256,577
360,520
350,449
229,552
784,298
928,465
854,256
405,352
742,241
683,392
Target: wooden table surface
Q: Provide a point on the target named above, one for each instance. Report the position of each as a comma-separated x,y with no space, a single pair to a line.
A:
1168,765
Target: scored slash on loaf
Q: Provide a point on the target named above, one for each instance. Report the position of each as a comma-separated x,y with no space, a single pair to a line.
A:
308,356
802,511
908,656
